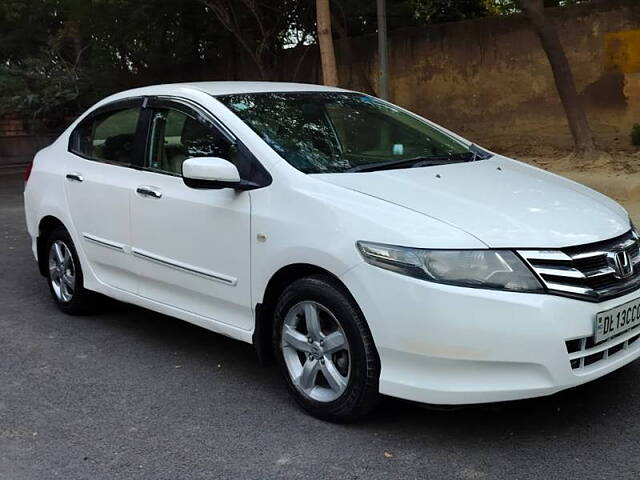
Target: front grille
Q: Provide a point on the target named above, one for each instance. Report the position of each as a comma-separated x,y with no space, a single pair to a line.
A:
587,271
583,353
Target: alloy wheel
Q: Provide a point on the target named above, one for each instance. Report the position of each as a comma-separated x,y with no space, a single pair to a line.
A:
316,351
62,272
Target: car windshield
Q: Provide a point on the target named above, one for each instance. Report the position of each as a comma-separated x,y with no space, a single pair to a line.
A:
334,132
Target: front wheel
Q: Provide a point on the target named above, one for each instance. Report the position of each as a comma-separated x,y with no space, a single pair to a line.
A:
325,350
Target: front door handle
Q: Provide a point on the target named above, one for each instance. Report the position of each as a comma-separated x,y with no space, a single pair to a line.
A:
146,191
74,177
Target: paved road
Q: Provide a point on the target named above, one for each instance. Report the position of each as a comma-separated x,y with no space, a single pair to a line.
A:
130,394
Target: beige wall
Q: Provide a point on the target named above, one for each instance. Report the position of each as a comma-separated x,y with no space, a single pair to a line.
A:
490,80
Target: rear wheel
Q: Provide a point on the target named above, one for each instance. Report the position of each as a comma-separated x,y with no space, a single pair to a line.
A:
64,274
325,350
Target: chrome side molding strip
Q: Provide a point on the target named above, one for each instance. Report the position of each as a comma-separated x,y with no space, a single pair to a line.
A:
103,243
219,277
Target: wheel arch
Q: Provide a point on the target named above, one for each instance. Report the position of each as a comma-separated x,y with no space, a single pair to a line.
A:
46,225
264,310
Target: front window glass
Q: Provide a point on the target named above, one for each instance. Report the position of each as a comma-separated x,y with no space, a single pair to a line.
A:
333,132
176,136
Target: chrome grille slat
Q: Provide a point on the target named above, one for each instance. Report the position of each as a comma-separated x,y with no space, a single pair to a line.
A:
570,289
560,271
618,289
583,256
545,255
599,272
586,271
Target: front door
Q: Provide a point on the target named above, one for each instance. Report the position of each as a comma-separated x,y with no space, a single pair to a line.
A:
190,246
99,179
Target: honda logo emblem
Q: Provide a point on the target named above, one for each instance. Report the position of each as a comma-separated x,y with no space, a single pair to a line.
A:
621,263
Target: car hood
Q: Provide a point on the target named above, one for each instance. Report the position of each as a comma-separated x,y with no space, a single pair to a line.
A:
501,202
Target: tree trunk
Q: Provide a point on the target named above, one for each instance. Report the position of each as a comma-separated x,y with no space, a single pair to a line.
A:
327,53
578,124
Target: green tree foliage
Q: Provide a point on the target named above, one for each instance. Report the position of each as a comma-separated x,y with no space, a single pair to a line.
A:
261,28
436,11
58,56
359,16
507,7
37,79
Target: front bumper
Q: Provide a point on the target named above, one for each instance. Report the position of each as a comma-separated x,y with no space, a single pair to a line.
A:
442,344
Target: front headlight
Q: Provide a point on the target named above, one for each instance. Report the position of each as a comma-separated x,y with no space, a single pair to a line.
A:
495,269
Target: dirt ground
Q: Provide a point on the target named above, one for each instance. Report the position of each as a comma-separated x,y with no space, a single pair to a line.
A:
616,174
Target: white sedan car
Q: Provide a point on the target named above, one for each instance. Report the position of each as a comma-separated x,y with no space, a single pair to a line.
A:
365,248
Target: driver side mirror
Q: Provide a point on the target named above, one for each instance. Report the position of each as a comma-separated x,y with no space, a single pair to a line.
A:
211,172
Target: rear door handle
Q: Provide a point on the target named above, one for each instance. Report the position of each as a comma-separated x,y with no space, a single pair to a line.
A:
147,191
74,177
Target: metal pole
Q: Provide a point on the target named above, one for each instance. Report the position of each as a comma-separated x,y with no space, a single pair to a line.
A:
382,51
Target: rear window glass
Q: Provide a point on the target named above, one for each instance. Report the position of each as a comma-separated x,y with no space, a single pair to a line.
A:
108,137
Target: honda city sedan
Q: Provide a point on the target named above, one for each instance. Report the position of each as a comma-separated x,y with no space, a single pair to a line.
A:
366,249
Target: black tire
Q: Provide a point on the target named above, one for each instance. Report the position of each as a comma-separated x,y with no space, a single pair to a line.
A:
360,395
81,299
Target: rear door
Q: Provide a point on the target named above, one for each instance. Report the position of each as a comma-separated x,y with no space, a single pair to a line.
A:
104,151
191,246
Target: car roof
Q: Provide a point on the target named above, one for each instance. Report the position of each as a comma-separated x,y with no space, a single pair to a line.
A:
224,88
221,88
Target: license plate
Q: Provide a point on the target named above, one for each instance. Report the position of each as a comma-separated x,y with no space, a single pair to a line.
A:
617,320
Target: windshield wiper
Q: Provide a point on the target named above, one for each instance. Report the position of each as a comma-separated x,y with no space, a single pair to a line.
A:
413,162
475,153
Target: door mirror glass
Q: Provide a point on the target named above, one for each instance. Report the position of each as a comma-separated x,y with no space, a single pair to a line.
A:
210,172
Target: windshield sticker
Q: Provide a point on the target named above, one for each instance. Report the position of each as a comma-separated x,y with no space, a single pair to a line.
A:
240,106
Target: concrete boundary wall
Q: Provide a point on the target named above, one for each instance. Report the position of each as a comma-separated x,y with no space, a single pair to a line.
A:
490,80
